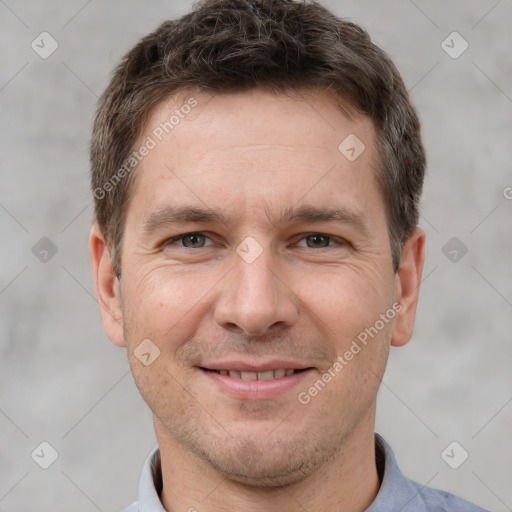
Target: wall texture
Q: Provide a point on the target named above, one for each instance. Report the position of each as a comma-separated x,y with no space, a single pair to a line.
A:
62,382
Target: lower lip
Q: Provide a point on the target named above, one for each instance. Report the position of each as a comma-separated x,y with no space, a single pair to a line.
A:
257,389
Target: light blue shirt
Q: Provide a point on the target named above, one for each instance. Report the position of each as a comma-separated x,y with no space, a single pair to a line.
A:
396,492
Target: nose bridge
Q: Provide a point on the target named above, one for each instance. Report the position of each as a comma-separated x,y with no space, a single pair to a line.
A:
253,298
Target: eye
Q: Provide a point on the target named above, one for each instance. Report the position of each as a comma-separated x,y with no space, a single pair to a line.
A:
190,240
199,240
319,241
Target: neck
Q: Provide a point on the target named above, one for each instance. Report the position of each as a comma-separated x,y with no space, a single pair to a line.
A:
348,481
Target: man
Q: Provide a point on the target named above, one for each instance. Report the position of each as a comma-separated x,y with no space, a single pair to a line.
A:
257,167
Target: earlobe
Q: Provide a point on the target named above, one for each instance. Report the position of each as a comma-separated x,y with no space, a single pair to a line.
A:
107,287
407,286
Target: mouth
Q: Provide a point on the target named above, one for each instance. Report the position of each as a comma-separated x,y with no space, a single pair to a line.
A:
263,375
257,383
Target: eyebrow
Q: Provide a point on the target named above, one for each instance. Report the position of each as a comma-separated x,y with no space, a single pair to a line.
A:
179,215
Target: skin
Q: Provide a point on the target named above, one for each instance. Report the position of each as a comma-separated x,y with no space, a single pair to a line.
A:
305,298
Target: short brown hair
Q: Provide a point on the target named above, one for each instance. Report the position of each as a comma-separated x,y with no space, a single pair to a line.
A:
225,46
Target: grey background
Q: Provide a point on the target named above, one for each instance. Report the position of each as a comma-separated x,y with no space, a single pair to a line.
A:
63,382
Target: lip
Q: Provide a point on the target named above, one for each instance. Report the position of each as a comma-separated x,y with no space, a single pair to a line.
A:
256,389
243,366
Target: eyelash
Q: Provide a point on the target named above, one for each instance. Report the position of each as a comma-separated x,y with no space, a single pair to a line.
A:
341,241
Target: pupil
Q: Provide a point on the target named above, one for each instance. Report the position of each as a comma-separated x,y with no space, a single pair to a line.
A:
193,239
318,239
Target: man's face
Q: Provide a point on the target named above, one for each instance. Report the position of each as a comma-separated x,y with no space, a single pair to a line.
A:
262,289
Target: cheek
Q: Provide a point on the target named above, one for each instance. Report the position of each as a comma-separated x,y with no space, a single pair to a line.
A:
164,305
160,386
347,306
345,300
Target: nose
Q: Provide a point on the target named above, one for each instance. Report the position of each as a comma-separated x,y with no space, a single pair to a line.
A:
255,297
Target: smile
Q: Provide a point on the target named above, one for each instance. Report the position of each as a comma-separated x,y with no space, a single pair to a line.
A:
264,384
264,375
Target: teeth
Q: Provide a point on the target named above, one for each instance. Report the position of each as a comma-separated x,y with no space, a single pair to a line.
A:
266,375
249,375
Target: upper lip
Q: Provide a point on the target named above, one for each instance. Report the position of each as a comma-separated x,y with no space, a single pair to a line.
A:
244,366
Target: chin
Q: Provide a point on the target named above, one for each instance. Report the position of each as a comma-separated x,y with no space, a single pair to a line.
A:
267,474
268,467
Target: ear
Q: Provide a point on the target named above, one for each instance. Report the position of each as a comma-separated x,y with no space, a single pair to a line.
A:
407,286
107,287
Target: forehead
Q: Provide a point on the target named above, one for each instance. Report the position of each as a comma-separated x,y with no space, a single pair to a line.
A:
239,149
308,120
